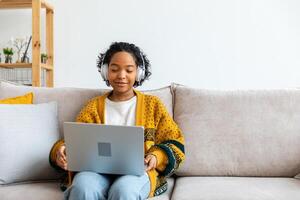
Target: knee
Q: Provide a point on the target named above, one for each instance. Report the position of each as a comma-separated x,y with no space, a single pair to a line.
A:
122,193
84,186
84,181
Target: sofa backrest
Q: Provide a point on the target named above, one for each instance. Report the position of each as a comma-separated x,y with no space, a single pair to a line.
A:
227,133
239,133
71,100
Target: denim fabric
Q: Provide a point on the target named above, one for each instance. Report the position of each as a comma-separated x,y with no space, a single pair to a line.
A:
94,186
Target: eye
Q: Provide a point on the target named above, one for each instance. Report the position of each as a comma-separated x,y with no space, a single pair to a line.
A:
113,69
129,71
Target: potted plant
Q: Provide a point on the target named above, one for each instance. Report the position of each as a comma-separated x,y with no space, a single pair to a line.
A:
8,53
44,58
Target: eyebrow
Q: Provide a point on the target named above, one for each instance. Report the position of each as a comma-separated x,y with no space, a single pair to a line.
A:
114,64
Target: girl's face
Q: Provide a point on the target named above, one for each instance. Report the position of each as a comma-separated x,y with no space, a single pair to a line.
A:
122,71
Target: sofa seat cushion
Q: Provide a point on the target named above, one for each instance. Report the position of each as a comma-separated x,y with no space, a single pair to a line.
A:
51,191
237,188
33,191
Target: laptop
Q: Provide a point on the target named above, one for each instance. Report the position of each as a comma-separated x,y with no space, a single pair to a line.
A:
108,149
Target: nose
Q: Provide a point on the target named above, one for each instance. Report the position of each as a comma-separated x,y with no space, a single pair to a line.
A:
122,74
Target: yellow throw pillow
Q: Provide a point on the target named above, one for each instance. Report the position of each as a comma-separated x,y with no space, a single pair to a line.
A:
25,99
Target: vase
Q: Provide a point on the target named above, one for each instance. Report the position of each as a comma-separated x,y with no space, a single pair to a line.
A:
43,60
8,59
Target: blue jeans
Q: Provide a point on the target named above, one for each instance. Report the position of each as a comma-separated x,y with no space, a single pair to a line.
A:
94,186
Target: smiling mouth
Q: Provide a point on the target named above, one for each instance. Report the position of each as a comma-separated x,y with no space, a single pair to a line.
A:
121,83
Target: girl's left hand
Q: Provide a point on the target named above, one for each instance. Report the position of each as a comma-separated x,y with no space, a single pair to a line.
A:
150,162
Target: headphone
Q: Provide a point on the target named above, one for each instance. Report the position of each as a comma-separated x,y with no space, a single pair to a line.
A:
140,73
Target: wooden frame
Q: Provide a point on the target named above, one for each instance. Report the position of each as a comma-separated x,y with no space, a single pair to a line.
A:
36,6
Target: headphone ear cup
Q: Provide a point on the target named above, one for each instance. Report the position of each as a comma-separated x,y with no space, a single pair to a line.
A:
140,74
104,72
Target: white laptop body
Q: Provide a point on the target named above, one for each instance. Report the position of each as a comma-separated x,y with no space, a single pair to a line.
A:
107,149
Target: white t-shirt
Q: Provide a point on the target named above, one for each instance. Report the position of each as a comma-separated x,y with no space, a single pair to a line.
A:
121,112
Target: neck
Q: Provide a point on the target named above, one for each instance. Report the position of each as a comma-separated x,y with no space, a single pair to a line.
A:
115,96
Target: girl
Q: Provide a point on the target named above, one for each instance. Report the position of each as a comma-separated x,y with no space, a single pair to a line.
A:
124,66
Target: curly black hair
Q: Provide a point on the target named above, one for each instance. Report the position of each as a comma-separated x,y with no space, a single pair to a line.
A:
140,58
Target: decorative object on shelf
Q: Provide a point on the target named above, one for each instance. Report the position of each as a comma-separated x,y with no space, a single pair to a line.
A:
19,44
44,58
8,53
0,58
25,58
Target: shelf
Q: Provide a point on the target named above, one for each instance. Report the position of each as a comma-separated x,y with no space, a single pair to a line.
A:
47,66
16,65
13,4
36,65
24,65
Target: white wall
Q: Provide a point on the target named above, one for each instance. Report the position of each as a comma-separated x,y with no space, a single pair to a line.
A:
209,44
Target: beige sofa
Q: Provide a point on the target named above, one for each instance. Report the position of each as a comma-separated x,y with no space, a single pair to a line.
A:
239,144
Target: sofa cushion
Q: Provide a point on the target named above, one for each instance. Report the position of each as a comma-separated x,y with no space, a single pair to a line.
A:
71,100
238,188
33,191
51,191
239,133
24,99
27,134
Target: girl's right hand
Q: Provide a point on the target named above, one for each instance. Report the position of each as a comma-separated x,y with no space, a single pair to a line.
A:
61,159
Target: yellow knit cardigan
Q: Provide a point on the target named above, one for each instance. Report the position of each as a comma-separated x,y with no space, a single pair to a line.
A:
163,138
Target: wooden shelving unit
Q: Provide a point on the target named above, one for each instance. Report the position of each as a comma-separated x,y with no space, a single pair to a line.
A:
36,65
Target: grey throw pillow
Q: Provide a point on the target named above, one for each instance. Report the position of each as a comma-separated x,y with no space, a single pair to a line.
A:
27,133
